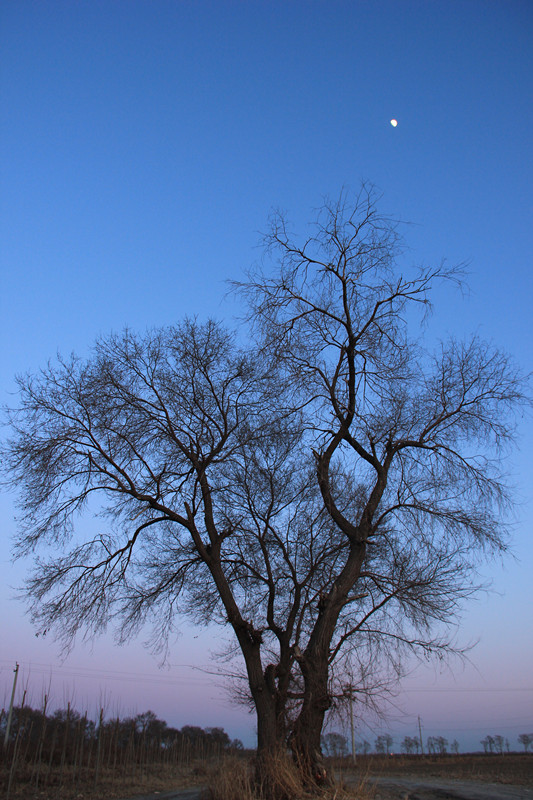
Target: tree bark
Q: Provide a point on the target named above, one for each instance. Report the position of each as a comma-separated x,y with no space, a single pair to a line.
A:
314,664
305,738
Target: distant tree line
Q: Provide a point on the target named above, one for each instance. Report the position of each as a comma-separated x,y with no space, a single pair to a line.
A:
335,745
500,744
68,724
66,748
495,744
411,744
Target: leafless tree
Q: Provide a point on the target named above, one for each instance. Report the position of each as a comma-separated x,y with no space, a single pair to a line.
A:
384,744
325,491
417,434
363,747
526,739
411,744
204,492
335,744
170,437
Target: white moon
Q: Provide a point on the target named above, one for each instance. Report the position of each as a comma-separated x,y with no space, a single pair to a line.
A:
394,122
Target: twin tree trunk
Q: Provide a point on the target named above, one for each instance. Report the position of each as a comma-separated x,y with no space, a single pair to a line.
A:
270,698
305,737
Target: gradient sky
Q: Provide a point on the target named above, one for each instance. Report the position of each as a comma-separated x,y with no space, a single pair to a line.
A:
143,146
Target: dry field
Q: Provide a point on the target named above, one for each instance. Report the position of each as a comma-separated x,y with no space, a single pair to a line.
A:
510,768
158,778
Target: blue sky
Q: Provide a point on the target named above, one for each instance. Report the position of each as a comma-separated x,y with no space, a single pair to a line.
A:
143,147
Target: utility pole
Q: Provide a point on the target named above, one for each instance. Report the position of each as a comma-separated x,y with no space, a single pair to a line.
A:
348,692
6,737
420,734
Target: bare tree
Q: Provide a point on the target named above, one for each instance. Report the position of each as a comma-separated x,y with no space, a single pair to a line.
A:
526,739
151,432
335,744
206,492
363,747
410,744
416,434
384,744
325,492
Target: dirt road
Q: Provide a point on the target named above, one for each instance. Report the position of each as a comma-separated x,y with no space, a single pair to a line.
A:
193,793
400,788
406,787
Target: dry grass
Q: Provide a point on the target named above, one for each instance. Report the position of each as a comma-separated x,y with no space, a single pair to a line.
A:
234,779
510,768
231,779
156,778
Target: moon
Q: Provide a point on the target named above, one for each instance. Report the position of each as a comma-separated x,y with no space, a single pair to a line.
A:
394,122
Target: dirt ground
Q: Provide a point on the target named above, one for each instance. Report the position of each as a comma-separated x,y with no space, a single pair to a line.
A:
155,782
508,768
469,777
508,777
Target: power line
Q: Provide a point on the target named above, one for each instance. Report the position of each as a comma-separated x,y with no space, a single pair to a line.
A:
39,667
124,676
468,691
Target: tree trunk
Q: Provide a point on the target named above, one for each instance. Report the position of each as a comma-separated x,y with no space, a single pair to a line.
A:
267,738
271,746
305,738
276,777
314,664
